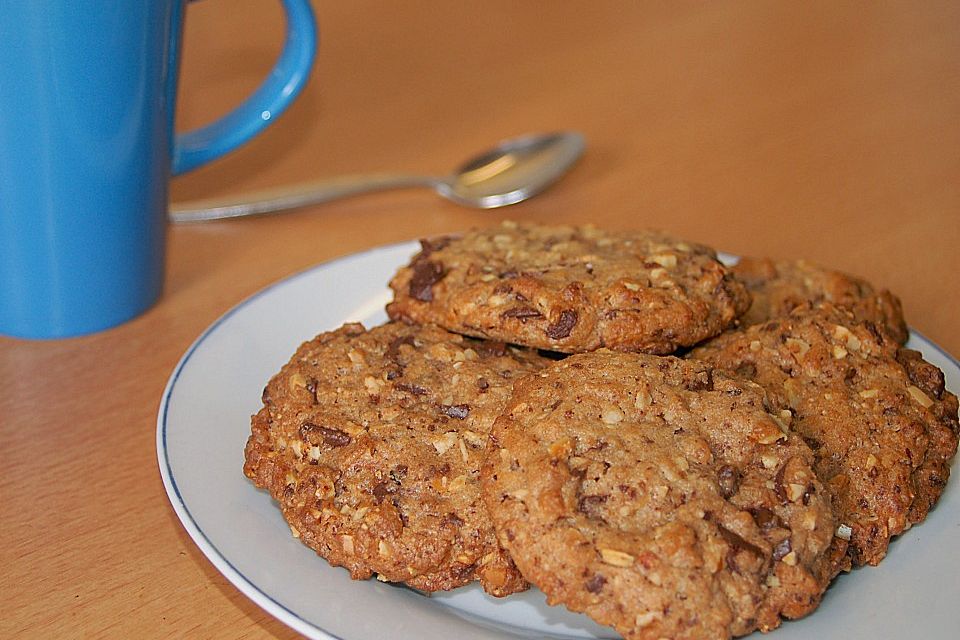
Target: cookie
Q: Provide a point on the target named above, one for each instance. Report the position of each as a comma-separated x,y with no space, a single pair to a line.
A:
659,497
778,287
371,442
570,289
877,416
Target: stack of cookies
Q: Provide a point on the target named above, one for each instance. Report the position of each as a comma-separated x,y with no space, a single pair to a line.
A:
676,448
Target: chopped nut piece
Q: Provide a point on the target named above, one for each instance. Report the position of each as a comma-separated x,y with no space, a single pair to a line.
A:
919,396
444,442
797,346
658,273
644,619
755,345
372,384
297,381
842,333
790,559
869,393
839,352
616,558
457,484
612,415
768,434
643,399
359,513
844,532
475,439
781,422
795,491
769,460
667,260
561,447
347,543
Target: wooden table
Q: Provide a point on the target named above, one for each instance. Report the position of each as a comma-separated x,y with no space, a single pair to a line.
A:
787,129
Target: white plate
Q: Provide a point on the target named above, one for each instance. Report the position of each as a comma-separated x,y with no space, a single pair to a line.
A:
204,422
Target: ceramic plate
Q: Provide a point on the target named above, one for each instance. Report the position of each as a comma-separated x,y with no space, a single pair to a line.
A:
203,425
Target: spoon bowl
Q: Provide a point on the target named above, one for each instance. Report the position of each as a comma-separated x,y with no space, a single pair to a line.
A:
511,172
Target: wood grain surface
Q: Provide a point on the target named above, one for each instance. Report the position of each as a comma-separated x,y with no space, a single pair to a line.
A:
823,130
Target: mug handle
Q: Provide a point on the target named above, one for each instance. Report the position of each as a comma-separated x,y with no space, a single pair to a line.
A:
286,79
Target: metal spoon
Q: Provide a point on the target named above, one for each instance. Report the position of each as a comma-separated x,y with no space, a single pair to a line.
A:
511,172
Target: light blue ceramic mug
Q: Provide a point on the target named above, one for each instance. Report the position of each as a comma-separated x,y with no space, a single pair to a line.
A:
87,149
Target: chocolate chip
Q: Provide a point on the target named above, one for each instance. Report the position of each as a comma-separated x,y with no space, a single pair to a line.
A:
426,273
564,325
384,489
492,348
429,245
782,548
316,435
413,389
703,381
521,313
398,473
595,584
393,349
779,486
766,519
458,411
590,505
393,374
483,384
728,477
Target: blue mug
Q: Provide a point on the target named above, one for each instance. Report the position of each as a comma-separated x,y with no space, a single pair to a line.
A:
87,148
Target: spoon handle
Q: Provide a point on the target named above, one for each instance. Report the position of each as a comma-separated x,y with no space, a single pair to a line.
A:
292,196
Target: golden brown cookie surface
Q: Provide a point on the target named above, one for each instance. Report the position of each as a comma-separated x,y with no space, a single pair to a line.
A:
659,497
570,289
881,424
371,442
778,287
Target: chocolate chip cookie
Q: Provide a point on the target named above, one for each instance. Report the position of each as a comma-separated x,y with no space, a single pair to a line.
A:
877,416
658,496
371,442
570,289
778,287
